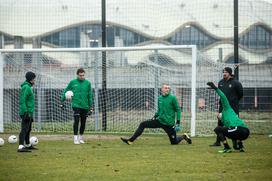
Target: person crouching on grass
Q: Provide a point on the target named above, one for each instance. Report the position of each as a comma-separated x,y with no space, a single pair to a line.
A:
234,127
168,109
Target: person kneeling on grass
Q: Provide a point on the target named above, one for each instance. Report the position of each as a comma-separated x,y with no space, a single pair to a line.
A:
164,118
234,127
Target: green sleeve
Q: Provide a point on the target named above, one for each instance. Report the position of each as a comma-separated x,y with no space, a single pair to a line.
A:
65,90
177,108
90,95
158,109
223,98
25,92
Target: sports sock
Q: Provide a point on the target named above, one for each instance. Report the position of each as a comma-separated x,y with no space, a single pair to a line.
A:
240,144
226,146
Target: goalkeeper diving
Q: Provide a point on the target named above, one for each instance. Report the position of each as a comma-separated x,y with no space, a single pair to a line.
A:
168,110
234,127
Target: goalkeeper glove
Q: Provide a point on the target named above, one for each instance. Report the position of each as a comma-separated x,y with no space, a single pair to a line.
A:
62,106
178,127
211,84
90,111
27,116
154,118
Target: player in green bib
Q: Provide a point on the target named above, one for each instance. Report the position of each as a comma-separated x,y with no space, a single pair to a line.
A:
82,102
168,111
234,127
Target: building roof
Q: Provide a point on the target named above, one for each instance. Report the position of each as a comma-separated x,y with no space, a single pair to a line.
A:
153,18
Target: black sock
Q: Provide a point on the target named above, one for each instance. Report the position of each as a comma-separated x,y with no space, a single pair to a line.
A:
226,146
217,140
240,143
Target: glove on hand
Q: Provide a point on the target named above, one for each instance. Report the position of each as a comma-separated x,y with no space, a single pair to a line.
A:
90,111
154,117
62,106
178,127
27,116
211,84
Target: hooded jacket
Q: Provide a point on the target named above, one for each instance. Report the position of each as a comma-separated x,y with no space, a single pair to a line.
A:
26,99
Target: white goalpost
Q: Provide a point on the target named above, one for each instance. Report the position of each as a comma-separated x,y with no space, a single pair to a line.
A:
1,94
134,77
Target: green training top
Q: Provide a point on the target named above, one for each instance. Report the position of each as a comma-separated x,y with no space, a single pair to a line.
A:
83,96
26,99
229,117
168,107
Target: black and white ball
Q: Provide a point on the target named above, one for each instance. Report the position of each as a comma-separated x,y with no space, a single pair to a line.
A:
33,140
2,141
69,95
12,139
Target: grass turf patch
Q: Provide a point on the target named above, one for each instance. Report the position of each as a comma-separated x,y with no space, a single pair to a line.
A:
149,158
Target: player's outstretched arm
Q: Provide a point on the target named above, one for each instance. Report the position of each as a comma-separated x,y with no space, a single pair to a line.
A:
211,84
223,98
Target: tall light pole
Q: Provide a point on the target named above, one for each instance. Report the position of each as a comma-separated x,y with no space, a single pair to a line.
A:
104,68
236,38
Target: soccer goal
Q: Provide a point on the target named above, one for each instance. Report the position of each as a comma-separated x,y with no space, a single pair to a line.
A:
134,76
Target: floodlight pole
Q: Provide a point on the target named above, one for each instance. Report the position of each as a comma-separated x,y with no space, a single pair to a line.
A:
104,68
236,38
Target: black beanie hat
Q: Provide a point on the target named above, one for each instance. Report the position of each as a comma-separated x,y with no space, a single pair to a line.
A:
229,70
30,76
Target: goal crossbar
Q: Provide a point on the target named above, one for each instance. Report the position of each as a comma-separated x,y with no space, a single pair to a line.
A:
100,49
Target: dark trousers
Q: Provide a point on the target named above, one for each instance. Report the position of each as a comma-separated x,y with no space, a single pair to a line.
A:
219,123
234,133
79,115
154,123
25,129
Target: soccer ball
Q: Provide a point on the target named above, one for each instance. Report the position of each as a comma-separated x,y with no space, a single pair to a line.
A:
12,139
69,95
34,140
2,141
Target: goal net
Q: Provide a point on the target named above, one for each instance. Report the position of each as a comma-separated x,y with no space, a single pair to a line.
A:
133,77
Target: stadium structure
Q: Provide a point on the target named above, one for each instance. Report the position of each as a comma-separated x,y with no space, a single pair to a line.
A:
207,24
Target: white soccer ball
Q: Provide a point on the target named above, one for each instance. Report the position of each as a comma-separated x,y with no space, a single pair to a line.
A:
2,141
34,140
12,139
69,95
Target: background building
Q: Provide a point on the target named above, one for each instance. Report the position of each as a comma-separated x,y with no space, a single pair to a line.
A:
206,23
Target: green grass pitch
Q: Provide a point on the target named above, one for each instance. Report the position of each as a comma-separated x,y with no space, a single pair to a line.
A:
105,157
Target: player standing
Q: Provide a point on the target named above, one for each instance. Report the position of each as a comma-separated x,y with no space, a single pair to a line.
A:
82,102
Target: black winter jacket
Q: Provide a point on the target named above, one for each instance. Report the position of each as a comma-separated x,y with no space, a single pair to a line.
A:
233,90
